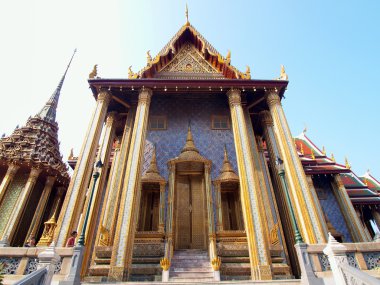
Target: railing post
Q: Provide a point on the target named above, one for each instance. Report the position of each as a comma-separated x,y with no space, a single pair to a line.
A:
49,259
336,254
307,273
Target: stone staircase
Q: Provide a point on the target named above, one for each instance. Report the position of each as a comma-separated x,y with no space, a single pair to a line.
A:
191,265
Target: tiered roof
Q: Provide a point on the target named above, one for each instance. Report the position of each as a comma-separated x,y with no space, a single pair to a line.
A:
36,144
365,189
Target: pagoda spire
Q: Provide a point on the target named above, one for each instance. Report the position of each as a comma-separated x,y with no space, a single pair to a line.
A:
187,16
48,112
189,146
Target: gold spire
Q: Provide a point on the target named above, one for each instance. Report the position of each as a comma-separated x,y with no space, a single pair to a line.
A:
332,157
302,149
247,74
312,154
324,150
187,16
227,172
347,164
189,146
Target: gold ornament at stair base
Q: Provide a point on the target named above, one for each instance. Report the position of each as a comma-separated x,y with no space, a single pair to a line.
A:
216,262
165,264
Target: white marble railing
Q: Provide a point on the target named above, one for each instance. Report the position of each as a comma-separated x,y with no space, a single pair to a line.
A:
353,276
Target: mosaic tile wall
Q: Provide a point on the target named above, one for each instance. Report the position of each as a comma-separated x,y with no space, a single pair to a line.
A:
179,112
331,207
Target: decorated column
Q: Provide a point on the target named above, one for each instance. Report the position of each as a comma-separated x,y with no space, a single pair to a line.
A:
218,206
11,171
210,212
19,208
71,209
104,153
40,210
249,187
169,217
161,218
348,211
303,200
123,244
274,223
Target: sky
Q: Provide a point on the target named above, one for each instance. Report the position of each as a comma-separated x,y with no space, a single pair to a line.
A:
330,50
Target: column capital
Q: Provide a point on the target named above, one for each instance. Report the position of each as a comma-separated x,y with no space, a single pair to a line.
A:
272,98
34,173
104,95
111,118
145,94
266,118
50,181
234,97
12,169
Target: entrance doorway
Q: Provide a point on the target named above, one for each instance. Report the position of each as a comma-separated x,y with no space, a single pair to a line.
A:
191,218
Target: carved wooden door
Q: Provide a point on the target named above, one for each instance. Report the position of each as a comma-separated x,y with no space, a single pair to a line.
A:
183,220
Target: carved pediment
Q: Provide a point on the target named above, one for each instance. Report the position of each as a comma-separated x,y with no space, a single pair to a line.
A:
188,62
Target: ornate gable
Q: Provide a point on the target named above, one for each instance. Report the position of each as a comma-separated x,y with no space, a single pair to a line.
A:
189,55
189,63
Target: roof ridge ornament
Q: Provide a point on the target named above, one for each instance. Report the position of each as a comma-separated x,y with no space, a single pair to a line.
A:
283,75
187,16
94,72
346,163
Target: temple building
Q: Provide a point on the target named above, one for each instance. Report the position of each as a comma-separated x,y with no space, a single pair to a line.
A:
200,174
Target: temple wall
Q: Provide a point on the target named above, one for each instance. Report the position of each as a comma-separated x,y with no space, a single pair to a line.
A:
178,112
331,207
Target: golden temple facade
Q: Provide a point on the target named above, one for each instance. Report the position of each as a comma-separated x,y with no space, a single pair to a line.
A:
199,162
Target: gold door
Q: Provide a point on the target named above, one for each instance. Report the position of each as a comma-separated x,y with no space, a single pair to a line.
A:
190,213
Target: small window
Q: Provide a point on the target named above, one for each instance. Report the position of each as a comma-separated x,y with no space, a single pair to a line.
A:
157,123
220,123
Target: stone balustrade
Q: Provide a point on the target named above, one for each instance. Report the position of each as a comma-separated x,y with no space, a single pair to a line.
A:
21,261
364,256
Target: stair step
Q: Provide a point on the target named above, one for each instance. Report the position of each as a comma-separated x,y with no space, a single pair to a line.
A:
191,269
190,281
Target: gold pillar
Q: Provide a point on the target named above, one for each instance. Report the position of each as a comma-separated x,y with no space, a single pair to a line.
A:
125,230
273,216
249,187
71,209
11,171
169,217
41,207
273,151
210,212
104,153
22,201
352,221
50,225
308,214
161,219
218,206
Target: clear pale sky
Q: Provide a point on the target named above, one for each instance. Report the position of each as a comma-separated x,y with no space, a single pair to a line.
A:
330,50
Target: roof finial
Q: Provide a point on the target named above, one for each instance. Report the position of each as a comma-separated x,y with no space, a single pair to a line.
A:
324,150
187,16
347,164
283,75
94,72
312,154
48,111
332,157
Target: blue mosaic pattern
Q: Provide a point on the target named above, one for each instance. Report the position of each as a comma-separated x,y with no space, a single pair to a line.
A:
179,112
331,208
